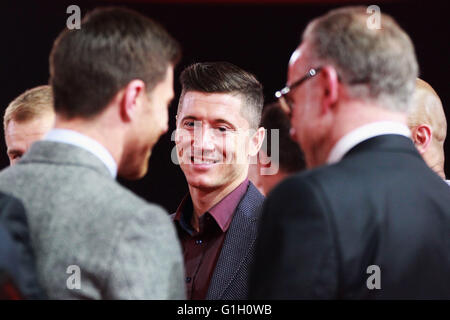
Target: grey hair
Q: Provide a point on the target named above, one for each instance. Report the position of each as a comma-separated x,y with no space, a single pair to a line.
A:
377,64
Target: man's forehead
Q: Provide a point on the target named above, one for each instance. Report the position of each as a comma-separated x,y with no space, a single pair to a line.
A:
28,128
214,107
295,56
296,63
221,99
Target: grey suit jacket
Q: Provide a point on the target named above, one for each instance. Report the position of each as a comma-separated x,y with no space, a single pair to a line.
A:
80,217
230,278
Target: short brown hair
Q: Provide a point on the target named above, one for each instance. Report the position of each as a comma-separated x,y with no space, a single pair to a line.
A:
225,77
33,103
378,64
114,46
290,155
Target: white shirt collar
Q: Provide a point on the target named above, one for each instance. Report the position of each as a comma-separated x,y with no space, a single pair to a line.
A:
355,137
80,140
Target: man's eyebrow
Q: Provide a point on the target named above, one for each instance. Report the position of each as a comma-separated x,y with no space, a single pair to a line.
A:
216,121
188,118
225,121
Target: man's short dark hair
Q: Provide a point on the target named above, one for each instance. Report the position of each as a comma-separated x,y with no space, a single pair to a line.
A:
225,77
290,155
113,46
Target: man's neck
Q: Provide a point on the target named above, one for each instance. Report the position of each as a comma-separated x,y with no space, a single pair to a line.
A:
438,168
205,199
435,160
105,135
354,115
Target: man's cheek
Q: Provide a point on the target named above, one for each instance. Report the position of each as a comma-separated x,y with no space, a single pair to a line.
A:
233,155
226,148
183,145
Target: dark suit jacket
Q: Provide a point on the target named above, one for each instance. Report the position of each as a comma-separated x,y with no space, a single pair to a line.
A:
230,277
380,205
17,265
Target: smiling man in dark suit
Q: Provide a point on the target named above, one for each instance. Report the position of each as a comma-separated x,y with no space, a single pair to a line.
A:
217,133
370,220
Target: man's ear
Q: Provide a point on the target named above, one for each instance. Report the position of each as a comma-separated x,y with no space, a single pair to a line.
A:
132,94
422,136
330,84
256,141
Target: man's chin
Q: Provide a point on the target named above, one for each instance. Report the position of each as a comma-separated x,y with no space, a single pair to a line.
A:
202,183
136,173
132,176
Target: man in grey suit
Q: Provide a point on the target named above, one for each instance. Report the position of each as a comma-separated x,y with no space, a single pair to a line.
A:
112,84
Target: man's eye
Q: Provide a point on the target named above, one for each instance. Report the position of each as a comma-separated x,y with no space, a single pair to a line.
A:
222,129
189,124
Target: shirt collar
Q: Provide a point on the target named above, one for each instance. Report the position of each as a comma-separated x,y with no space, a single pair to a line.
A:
80,140
222,212
365,132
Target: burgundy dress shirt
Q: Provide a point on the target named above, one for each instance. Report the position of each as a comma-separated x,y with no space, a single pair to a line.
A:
202,249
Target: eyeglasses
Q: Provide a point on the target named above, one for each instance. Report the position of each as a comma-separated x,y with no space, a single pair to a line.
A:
282,95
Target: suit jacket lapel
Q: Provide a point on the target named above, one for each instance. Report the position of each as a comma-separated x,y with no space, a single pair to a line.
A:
237,247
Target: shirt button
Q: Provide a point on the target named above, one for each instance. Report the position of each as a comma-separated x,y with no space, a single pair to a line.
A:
188,279
198,241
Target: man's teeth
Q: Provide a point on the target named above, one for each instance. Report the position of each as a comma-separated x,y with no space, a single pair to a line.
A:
203,161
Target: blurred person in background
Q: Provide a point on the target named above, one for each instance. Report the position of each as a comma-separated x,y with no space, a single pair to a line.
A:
27,119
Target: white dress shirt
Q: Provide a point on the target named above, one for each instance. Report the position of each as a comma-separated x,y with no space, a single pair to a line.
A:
83,141
355,137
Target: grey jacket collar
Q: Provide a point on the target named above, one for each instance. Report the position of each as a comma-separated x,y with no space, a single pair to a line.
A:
59,153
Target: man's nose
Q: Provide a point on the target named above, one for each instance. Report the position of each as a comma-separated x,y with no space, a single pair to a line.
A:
203,138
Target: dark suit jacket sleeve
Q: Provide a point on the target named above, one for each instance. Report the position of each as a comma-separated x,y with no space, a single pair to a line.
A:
13,218
295,254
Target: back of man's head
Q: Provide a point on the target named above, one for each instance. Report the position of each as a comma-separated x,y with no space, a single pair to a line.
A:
113,46
279,156
27,119
224,77
376,64
290,155
428,125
